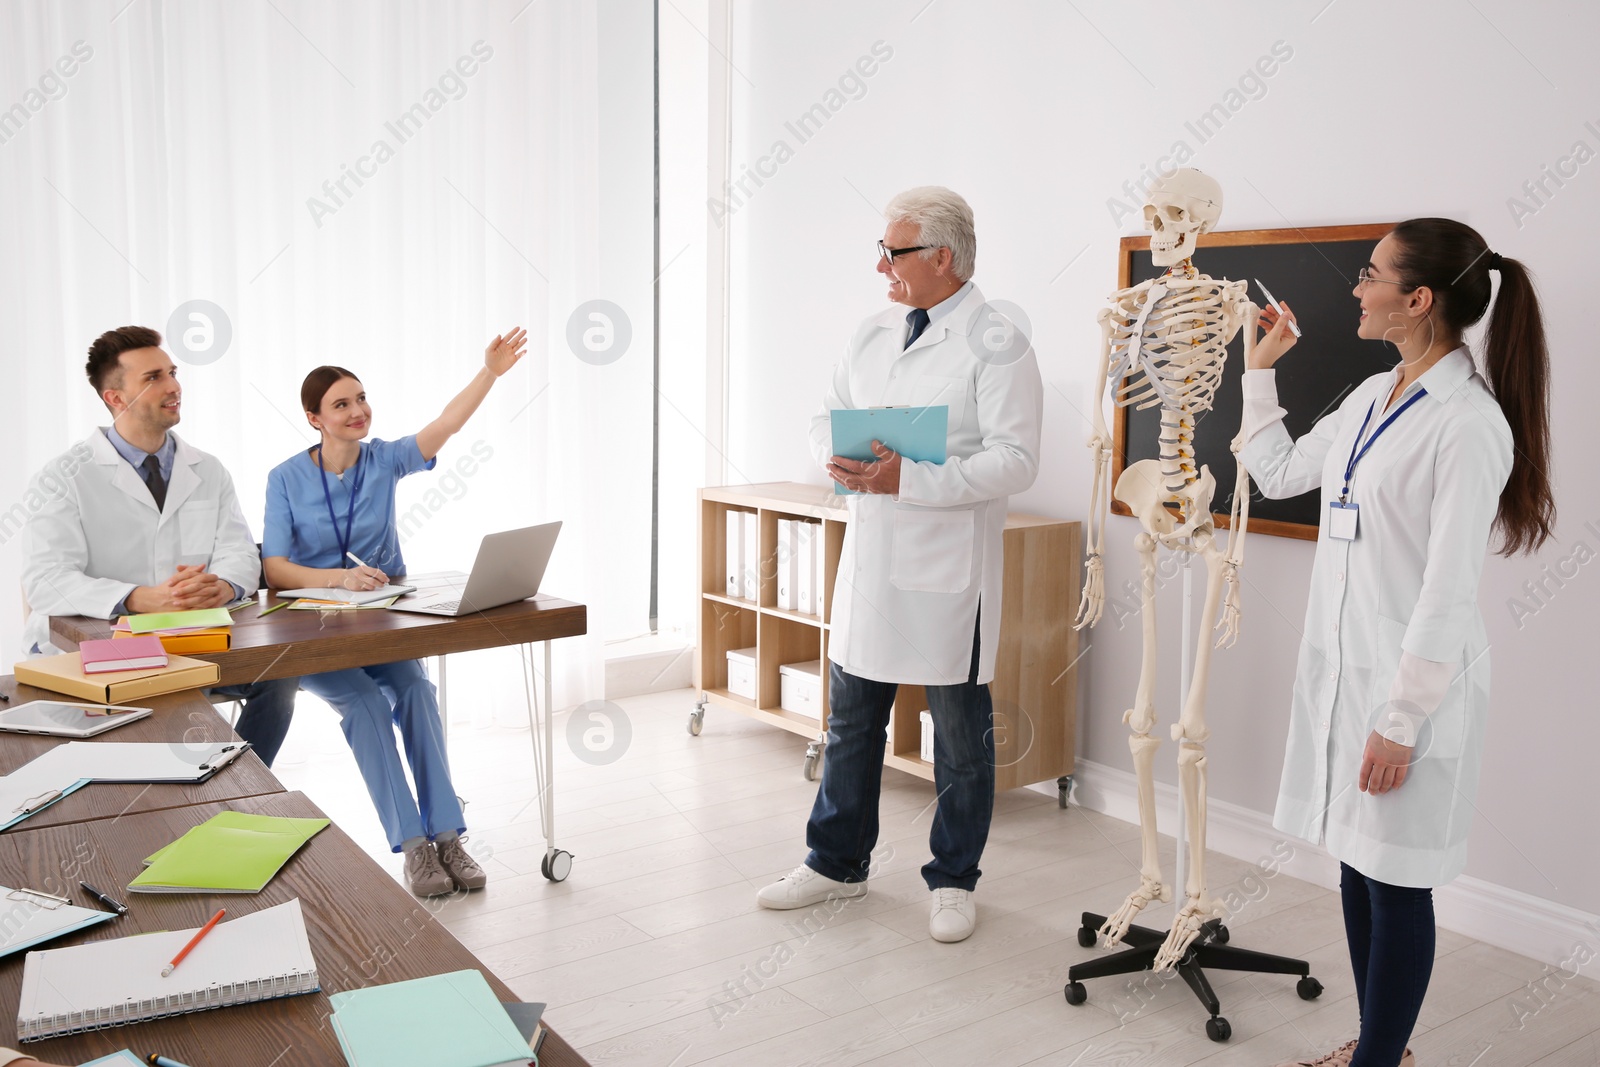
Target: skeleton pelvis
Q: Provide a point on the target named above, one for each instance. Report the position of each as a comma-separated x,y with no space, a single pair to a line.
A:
1143,488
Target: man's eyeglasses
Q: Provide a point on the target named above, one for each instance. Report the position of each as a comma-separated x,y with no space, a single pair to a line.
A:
888,253
1364,275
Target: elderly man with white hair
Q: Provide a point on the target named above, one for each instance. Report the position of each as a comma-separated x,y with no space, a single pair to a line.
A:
917,599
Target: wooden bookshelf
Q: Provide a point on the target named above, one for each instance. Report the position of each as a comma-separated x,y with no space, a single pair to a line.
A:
1035,685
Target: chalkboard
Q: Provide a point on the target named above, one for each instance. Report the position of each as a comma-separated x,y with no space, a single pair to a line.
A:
1314,270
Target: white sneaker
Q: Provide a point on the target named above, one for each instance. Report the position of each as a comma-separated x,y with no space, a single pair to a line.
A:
954,915
803,887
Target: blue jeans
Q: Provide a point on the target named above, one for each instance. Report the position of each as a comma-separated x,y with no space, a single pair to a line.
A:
268,707
1391,935
844,820
371,702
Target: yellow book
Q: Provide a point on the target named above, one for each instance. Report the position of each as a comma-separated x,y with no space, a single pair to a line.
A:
213,639
64,674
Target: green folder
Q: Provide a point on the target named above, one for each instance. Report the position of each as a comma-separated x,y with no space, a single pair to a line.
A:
232,852
462,1024
151,622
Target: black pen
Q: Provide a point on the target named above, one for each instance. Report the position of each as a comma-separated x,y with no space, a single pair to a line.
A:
120,909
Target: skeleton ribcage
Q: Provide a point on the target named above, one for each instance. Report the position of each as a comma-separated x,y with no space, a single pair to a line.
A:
1169,350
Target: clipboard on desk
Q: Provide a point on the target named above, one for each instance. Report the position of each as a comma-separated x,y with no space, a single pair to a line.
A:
917,433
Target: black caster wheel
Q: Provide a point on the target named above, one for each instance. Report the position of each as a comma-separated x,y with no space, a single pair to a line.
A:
1076,994
1087,937
1217,1028
1222,935
1308,988
556,865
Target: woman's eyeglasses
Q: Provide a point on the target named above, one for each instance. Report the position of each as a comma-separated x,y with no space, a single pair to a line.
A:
1364,275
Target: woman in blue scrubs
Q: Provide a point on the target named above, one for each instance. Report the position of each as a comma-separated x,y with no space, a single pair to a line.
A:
329,506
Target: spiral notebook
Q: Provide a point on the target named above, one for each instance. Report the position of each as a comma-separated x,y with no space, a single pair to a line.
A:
255,957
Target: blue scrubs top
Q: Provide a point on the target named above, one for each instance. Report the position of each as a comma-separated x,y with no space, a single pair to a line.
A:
298,525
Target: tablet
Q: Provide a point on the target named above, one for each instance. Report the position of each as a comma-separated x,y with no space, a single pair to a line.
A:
66,719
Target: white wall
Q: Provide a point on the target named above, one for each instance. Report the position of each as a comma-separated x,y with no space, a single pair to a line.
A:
1038,114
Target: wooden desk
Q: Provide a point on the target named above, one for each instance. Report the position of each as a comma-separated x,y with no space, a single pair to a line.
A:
364,930
177,718
292,643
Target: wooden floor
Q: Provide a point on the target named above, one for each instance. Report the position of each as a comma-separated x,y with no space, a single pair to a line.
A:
654,953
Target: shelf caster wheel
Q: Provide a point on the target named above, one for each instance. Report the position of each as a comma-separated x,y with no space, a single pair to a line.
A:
1063,790
1308,988
1217,1028
556,865
810,768
1087,937
1076,993
697,720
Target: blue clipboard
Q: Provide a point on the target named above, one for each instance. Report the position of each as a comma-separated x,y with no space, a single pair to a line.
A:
916,433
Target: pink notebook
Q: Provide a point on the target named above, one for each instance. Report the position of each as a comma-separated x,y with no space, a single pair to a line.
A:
123,654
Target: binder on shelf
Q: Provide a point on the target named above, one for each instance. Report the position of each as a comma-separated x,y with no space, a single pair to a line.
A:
819,567
64,674
786,567
255,957
805,566
735,553
752,556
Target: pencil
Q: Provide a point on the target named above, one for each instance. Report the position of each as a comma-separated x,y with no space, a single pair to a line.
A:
275,607
193,941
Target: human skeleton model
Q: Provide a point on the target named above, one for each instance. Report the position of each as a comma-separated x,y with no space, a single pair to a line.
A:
1163,344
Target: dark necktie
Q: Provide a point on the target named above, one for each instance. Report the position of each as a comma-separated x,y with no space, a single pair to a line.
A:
157,484
918,321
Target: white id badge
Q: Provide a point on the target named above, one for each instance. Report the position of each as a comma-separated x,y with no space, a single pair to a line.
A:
1342,520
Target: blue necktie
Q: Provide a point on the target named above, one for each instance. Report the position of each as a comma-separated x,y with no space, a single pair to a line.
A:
918,321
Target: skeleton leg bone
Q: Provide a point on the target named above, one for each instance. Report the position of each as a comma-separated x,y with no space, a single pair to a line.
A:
1141,719
1191,732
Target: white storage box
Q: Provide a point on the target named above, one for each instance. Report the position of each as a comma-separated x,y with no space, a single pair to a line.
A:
800,688
927,735
742,672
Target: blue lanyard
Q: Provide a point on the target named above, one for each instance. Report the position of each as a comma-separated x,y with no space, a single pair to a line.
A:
350,508
1355,457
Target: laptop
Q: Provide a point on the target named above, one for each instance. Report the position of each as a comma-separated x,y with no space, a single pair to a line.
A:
509,568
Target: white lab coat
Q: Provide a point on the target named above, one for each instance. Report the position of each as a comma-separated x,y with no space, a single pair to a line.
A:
95,533
916,565
1404,593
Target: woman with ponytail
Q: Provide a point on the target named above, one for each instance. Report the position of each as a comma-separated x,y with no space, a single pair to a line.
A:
1419,468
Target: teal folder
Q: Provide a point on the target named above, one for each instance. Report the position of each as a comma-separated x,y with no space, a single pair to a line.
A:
463,1024
916,433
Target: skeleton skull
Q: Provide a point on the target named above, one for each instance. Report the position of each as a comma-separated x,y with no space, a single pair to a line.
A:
1181,207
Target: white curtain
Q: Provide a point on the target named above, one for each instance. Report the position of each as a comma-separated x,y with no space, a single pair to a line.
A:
381,186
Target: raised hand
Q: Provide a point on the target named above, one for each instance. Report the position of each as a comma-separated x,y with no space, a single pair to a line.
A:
504,351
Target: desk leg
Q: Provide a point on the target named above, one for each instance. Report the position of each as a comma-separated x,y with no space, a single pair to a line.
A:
444,711
557,864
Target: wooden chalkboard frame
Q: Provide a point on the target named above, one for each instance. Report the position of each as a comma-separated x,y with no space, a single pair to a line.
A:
1295,235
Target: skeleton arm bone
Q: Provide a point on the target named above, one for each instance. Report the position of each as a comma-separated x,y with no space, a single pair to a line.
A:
1093,600
1239,517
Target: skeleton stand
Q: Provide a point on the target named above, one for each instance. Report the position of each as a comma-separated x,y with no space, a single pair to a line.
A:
1211,949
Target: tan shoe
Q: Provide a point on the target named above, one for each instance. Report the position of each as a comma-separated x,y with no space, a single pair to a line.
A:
1339,1057
424,874
1408,1060
461,867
